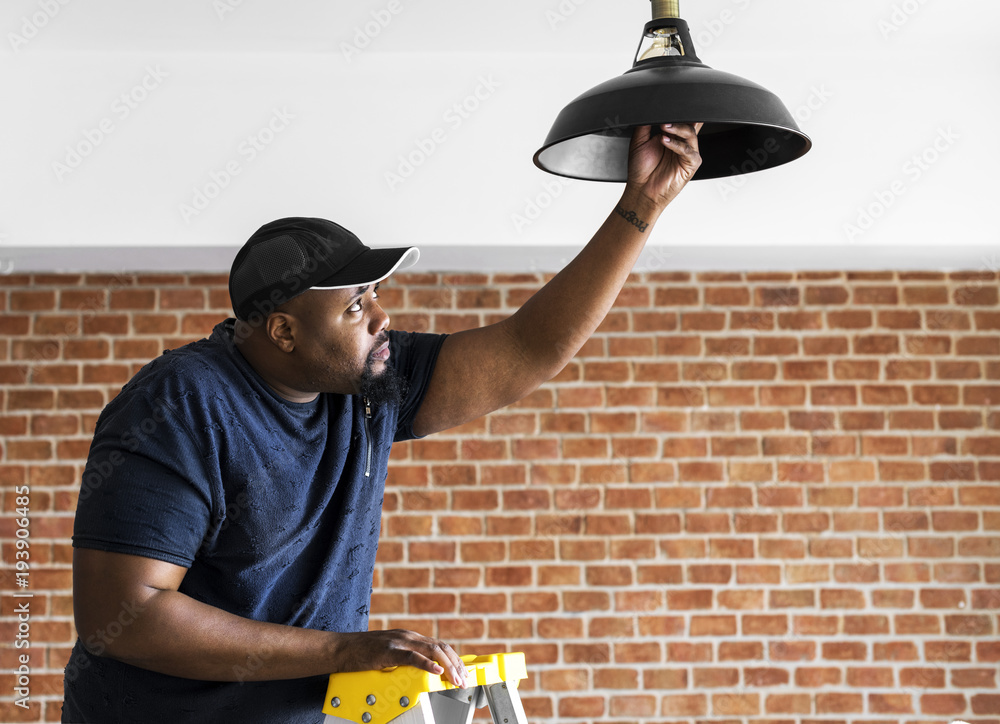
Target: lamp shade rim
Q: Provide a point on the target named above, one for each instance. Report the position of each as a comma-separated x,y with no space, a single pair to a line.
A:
627,129
801,141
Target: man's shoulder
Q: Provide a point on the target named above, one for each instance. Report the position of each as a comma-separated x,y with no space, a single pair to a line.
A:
195,369
415,344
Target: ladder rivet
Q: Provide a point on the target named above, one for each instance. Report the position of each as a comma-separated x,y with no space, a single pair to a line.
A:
370,699
366,717
404,701
335,702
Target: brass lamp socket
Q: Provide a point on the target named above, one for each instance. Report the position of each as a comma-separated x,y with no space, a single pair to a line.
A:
666,9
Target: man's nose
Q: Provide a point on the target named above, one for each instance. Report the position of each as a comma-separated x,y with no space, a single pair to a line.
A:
379,321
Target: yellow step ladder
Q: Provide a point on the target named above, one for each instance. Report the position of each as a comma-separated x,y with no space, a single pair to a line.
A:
407,695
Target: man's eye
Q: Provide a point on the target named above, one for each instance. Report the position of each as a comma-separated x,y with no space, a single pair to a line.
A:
356,307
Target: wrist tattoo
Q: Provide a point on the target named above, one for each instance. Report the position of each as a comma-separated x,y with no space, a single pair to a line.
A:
631,218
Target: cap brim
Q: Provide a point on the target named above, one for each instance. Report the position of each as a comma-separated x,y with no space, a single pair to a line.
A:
371,267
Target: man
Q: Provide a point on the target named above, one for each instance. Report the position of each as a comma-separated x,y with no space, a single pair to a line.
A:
229,514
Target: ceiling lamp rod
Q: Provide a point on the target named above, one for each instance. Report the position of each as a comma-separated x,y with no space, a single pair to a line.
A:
747,128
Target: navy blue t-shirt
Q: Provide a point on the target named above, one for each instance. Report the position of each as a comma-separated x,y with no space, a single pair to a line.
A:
266,502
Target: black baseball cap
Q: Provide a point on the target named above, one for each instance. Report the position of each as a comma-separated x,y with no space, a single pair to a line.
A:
287,257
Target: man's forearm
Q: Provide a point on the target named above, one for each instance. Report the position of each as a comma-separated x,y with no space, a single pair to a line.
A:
174,634
163,630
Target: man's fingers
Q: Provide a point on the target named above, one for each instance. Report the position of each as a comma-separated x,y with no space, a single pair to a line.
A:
641,135
398,647
680,146
685,131
660,167
440,658
418,660
453,665
682,139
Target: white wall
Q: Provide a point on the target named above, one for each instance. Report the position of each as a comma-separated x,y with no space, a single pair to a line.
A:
874,82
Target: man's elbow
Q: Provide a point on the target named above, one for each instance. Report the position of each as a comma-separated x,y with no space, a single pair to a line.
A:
112,633
534,359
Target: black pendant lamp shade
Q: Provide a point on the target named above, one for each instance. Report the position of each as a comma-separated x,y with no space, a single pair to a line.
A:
747,128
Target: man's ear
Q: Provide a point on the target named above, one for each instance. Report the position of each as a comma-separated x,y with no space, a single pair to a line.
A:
280,328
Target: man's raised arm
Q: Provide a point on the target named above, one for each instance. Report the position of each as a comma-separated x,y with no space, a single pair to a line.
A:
481,370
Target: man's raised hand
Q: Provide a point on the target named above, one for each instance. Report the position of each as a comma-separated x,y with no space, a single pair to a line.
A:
662,161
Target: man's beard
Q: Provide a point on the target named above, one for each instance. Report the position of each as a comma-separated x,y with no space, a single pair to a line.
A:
384,388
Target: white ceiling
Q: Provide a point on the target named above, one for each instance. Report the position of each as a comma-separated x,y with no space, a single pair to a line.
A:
797,28
874,83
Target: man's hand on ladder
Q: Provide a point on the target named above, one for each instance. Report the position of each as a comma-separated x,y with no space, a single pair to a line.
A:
374,650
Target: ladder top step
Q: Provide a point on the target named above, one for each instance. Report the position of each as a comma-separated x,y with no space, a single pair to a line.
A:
387,693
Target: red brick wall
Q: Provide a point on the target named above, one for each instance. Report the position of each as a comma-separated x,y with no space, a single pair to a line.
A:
752,497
